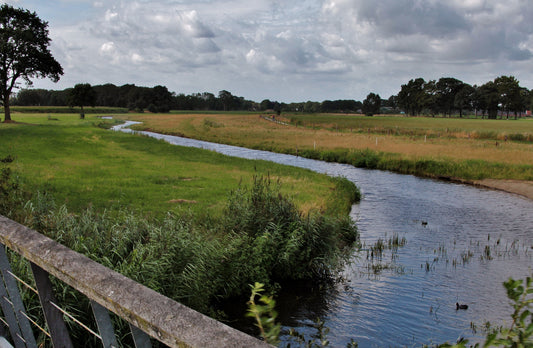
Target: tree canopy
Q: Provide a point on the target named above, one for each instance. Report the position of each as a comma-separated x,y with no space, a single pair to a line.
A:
82,94
372,104
449,95
24,52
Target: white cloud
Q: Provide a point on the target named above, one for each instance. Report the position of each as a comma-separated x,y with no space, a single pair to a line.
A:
286,50
137,58
191,24
110,15
107,48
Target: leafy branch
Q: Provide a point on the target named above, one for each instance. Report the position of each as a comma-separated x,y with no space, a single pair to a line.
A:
264,314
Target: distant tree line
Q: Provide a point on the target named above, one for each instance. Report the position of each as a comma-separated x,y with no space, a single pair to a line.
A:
447,96
153,99
159,99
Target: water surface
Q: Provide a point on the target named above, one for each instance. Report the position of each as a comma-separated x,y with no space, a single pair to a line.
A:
462,243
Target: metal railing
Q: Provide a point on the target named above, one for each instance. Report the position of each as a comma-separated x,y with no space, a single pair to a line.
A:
149,314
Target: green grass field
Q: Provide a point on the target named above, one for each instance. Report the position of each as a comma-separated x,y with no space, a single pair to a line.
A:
469,149
419,126
192,224
83,165
64,110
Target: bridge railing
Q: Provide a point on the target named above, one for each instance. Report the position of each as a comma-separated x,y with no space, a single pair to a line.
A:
151,316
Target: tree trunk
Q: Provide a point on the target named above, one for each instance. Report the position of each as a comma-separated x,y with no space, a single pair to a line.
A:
7,110
82,113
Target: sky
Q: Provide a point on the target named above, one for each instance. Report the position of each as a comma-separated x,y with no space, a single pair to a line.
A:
287,51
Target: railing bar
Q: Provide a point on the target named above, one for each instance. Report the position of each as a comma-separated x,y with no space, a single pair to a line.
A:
27,317
11,317
140,338
54,318
3,321
23,282
21,338
34,323
13,292
162,318
7,300
105,326
76,320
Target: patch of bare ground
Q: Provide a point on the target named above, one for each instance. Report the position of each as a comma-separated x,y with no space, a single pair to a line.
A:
16,122
186,201
519,187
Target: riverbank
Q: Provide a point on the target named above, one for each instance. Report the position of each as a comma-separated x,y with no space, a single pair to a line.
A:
519,187
423,147
83,165
387,298
194,225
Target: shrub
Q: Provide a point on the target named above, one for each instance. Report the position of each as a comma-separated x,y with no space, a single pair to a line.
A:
281,243
263,237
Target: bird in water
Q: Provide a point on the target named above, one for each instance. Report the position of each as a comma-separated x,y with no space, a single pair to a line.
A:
460,306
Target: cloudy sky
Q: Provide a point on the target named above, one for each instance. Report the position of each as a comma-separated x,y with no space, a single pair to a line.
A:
287,50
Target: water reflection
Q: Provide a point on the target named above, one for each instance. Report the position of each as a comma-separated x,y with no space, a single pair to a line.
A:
462,244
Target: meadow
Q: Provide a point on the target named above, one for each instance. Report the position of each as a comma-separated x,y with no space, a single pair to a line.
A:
192,224
64,110
84,165
469,149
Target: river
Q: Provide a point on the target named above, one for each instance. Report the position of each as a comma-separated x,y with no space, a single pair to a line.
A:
460,244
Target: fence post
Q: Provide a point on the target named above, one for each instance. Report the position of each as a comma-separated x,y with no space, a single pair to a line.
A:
141,339
27,339
105,326
9,313
54,318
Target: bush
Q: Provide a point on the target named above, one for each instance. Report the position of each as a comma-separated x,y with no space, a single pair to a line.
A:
263,237
282,243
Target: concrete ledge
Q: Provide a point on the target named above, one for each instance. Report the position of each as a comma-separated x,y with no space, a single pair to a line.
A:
160,317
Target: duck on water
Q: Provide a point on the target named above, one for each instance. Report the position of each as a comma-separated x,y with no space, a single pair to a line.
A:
460,306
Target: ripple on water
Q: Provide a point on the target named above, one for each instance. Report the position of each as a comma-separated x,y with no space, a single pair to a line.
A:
449,229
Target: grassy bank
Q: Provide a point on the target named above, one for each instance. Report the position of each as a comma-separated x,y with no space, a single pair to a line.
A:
460,148
430,127
63,110
192,224
84,165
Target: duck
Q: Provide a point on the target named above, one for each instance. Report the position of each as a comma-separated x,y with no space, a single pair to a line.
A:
460,306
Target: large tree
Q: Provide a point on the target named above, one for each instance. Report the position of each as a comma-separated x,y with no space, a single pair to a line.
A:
489,99
372,104
24,52
510,94
82,95
447,89
464,99
227,99
412,97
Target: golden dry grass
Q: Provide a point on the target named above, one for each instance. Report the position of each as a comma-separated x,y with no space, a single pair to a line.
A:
255,132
